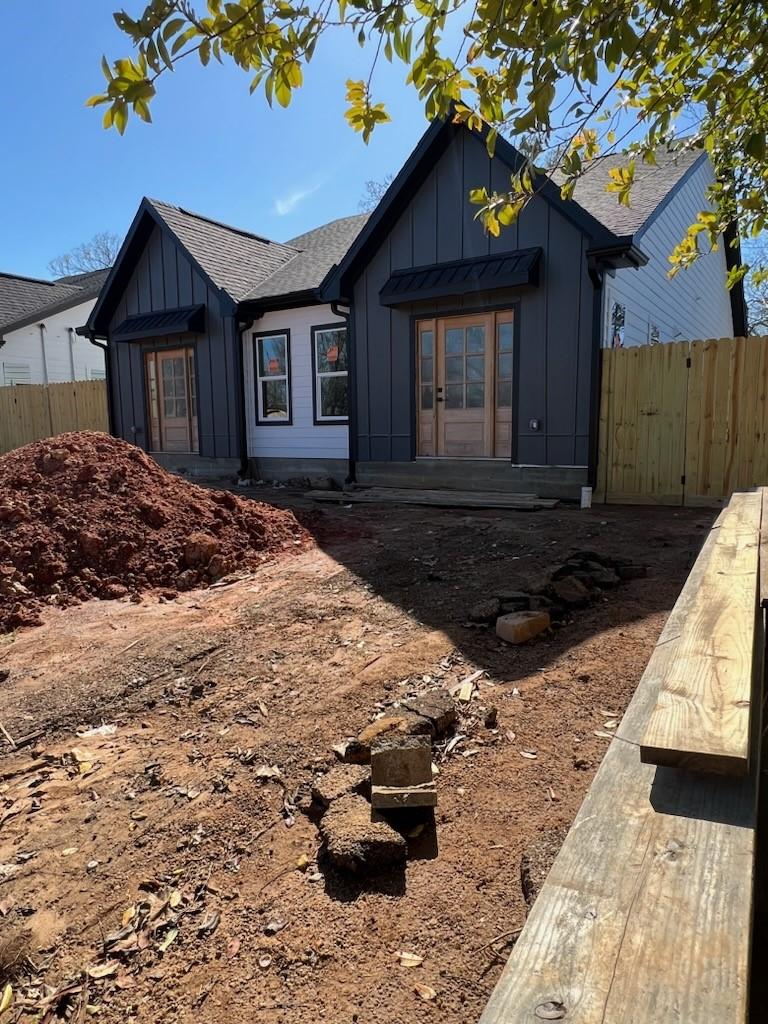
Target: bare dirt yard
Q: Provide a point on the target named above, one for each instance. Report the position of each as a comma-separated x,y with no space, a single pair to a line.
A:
163,868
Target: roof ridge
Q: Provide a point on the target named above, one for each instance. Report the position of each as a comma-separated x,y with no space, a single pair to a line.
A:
34,280
219,223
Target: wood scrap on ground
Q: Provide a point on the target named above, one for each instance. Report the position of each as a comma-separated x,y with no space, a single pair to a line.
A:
437,499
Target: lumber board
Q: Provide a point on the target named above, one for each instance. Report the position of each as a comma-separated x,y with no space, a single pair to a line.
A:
646,913
438,499
702,716
763,554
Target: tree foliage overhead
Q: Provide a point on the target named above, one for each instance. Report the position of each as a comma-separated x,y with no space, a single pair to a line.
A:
97,254
580,78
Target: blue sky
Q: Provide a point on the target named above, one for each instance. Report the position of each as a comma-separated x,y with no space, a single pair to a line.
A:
212,147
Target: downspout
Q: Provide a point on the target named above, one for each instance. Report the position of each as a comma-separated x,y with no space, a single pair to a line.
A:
41,328
346,316
91,336
71,333
240,329
597,276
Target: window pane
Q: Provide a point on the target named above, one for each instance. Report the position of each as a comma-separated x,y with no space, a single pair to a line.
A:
426,370
331,350
475,367
426,343
475,396
426,397
475,339
505,365
506,337
504,394
454,396
274,399
454,369
272,356
333,396
454,340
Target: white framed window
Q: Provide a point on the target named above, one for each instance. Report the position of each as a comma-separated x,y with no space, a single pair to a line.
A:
330,364
272,372
17,373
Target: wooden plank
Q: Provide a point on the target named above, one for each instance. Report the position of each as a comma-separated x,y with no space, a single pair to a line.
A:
438,499
763,556
702,717
646,913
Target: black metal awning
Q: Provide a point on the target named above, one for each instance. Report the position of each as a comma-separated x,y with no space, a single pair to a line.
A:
460,277
184,320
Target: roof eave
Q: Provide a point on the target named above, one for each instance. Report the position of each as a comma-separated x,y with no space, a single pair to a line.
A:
289,300
624,252
36,316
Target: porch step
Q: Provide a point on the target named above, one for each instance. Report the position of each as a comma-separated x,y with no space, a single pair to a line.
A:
437,499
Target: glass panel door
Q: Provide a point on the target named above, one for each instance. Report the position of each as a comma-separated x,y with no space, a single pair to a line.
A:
171,400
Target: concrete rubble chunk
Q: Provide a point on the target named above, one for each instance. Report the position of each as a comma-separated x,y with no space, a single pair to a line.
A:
437,706
571,591
485,611
350,751
339,781
403,723
357,838
401,772
519,627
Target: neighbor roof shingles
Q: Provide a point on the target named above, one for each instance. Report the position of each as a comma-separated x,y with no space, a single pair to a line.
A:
20,296
318,251
652,183
236,261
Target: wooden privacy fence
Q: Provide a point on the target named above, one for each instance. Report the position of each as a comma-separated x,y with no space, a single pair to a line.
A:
31,411
683,423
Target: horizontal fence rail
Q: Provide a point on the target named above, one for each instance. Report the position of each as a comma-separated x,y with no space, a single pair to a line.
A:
684,423
30,412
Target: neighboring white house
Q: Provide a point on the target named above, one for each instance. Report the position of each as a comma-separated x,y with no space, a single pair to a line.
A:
38,321
645,306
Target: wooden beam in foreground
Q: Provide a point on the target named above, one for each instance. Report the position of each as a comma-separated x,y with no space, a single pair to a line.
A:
439,499
645,916
702,715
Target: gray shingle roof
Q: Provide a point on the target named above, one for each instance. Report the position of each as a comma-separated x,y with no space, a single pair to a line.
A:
24,299
652,184
318,251
235,260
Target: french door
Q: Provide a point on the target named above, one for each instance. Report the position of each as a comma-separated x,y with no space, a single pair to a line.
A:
464,381
172,400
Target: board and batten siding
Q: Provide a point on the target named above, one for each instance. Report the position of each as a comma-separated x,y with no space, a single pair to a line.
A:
555,357
67,356
302,438
695,303
165,278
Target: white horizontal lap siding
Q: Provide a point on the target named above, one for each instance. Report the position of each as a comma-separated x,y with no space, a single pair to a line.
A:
302,438
693,304
62,349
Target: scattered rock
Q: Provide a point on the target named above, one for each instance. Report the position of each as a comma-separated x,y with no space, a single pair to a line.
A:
351,751
571,592
341,780
491,719
357,838
519,627
436,706
200,549
4,674
485,611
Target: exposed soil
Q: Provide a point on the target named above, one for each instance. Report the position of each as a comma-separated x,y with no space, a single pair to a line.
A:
208,690
87,515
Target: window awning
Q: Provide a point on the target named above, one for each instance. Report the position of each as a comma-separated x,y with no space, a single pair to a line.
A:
185,320
460,277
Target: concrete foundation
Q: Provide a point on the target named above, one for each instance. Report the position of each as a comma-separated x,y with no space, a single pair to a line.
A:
199,466
300,469
476,474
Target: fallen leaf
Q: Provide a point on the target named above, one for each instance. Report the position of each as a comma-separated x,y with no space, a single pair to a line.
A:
552,795
209,923
69,851
6,906
266,772
174,900
511,736
416,830
6,998
409,959
603,735
169,938
6,870
128,915
274,927
303,862
103,970
610,724
530,754
426,992
264,962
99,730
233,948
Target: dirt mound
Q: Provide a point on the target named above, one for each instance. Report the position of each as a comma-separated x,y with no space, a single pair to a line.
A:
85,515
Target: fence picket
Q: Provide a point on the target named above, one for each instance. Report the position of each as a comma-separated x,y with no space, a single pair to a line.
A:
32,411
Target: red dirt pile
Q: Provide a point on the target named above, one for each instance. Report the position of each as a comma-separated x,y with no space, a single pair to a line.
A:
85,515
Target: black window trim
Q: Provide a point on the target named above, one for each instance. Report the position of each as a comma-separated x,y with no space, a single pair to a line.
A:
278,332
339,325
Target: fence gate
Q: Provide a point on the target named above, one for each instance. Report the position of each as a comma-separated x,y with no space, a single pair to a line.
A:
683,423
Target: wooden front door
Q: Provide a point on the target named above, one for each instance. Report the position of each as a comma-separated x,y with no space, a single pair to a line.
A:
465,386
172,400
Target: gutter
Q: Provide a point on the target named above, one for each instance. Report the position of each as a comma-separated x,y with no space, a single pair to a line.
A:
596,270
91,336
241,326
346,316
